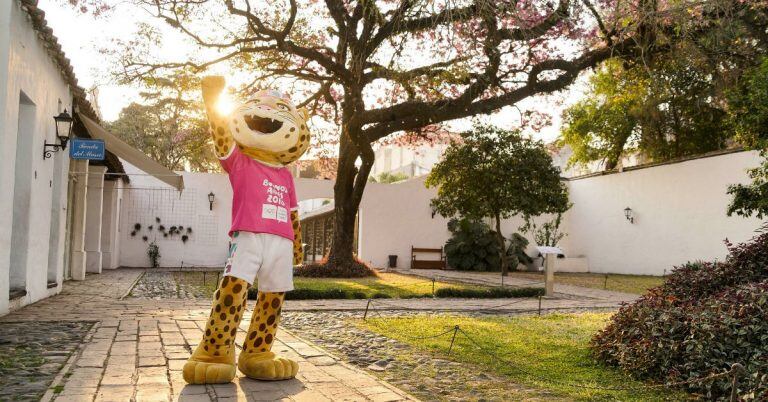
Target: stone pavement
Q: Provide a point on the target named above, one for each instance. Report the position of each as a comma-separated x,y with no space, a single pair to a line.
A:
137,348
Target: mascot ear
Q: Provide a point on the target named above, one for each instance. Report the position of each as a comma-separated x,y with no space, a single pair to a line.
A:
304,113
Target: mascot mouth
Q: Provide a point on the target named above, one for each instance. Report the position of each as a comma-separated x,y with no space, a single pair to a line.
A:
263,125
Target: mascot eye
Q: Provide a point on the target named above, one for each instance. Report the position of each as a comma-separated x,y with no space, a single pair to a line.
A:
283,107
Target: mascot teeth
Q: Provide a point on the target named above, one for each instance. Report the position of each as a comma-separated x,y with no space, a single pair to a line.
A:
263,125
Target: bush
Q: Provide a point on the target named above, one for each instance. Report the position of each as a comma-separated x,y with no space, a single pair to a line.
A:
490,293
318,294
516,251
322,269
472,246
704,318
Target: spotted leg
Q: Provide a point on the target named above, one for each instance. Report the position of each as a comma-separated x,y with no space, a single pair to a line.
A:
213,362
256,359
298,247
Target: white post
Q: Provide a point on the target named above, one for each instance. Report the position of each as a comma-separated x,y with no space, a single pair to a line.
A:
93,218
109,221
79,207
549,274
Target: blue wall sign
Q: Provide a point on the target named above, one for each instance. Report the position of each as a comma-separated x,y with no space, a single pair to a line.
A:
81,148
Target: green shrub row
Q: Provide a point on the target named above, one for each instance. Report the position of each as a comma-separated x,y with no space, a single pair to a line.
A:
490,293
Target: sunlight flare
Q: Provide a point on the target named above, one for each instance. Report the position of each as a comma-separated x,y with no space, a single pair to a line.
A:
225,104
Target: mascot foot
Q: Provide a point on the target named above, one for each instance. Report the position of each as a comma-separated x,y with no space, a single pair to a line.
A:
213,361
197,372
266,366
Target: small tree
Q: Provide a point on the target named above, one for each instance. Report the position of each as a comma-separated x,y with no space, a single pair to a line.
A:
499,174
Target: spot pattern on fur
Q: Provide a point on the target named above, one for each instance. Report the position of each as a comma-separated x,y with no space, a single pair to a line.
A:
266,315
221,329
298,249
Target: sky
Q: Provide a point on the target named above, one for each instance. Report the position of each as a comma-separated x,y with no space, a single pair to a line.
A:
81,36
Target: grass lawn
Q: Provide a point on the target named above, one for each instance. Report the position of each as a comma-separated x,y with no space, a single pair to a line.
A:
387,285
636,284
541,353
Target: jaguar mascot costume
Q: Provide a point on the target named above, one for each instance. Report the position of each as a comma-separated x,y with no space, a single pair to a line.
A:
253,143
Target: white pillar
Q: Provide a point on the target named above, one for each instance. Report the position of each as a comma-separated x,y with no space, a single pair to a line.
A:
109,219
79,207
93,218
549,274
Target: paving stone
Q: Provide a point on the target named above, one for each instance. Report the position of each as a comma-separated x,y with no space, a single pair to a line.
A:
33,352
141,345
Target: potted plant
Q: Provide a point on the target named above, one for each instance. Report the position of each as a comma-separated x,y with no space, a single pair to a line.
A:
153,252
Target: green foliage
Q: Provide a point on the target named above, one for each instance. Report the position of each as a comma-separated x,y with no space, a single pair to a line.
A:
667,111
516,251
548,234
153,252
472,246
497,173
749,117
705,317
383,286
169,126
388,178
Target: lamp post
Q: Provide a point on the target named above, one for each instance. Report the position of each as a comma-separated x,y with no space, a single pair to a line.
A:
211,197
63,131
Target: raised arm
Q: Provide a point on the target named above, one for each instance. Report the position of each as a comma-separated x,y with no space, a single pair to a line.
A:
298,247
223,141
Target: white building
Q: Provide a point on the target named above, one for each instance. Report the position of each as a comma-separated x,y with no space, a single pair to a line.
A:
58,217
411,157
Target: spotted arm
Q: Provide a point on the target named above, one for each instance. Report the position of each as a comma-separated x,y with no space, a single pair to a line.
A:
298,248
212,86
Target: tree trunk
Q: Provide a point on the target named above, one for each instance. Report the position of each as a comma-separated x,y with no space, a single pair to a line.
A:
347,193
502,247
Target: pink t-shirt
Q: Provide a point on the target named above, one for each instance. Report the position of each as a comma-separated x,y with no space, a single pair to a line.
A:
263,196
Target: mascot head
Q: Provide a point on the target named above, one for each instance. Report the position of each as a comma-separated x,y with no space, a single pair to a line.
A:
269,128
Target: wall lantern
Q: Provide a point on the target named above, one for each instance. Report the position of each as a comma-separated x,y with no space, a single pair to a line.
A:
211,196
63,131
434,210
628,215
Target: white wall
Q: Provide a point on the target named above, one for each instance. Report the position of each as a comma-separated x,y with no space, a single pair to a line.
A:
680,215
146,198
394,217
25,66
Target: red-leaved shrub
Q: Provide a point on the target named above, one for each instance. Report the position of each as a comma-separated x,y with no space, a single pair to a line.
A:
705,317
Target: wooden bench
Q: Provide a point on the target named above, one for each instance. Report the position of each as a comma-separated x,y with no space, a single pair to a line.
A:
427,264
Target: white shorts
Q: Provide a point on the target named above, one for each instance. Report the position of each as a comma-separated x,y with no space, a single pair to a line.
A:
264,256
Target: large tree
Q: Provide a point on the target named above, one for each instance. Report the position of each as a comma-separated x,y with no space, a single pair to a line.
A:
749,119
378,67
169,125
673,104
498,174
